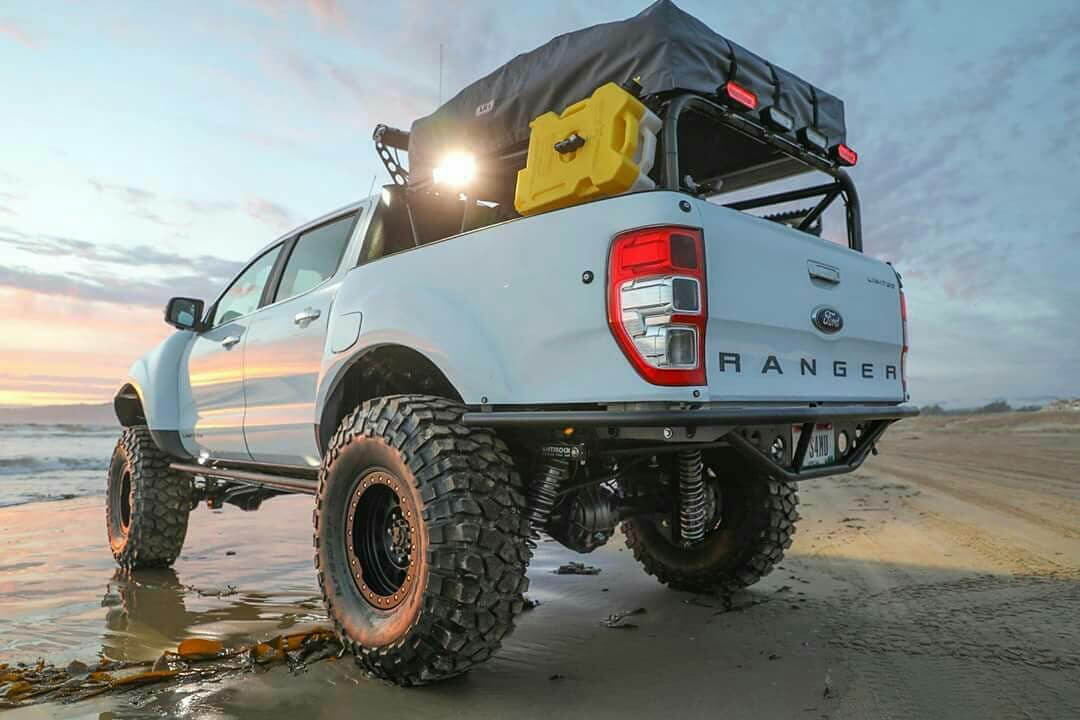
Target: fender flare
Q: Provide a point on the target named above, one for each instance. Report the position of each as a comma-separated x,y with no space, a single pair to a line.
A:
155,381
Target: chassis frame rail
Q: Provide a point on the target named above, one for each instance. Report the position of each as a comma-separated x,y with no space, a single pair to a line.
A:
288,484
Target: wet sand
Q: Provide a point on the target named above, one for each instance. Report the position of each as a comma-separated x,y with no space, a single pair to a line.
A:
941,580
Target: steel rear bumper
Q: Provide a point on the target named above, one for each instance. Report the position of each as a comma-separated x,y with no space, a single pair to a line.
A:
739,416
874,419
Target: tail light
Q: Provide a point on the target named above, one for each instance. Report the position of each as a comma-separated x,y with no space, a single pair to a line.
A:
845,155
657,303
903,351
740,95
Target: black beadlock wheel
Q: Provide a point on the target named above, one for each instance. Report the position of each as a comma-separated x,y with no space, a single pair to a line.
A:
147,504
756,525
380,535
420,539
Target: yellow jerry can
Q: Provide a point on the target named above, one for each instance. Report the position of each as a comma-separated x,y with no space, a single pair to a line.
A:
603,145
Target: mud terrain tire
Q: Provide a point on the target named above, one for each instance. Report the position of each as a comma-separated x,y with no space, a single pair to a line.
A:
419,610
147,504
758,516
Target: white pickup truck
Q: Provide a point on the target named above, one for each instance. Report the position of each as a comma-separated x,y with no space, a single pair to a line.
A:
654,359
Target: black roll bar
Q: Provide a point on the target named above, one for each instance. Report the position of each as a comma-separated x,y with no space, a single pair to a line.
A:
671,178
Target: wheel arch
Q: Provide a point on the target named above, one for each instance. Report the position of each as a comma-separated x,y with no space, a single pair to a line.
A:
150,394
128,405
387,369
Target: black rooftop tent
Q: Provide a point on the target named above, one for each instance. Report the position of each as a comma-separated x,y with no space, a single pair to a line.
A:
709,142
668,50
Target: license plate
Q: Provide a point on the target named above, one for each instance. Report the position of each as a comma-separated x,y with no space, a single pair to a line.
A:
822,447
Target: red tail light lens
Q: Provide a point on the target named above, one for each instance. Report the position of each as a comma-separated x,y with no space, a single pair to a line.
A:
904,350
845,155
741,95
657,307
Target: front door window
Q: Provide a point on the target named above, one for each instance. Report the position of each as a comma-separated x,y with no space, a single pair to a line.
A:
243,296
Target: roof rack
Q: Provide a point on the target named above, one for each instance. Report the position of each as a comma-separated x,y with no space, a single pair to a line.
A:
788,158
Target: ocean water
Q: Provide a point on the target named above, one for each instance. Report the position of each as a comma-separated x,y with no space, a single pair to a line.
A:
53,462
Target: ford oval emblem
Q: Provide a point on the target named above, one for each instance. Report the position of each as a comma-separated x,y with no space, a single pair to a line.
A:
828,320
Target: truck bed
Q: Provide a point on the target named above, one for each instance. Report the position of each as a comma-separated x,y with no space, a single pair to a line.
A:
510,314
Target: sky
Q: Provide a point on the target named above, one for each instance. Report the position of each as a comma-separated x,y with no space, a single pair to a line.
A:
148,149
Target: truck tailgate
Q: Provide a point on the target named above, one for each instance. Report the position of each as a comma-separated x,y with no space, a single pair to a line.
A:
795,317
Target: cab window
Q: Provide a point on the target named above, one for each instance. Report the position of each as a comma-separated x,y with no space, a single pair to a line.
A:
315,257
388,233
243,296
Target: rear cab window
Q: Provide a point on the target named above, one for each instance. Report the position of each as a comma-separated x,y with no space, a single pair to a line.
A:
315,257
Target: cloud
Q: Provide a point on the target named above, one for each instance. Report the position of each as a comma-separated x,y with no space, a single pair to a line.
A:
138,275
327,13
271,213
70,349
17,33
209,206
150,206
110,288
131,194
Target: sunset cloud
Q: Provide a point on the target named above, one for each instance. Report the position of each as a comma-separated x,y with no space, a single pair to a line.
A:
54,349
326,12
132,275
15,31
177,166
271,213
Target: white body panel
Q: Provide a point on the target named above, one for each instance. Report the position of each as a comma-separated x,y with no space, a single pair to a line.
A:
282,359
505,314
156,378
212,414
503,311
761,300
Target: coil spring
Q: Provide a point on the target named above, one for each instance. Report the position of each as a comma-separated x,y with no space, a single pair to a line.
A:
691,497
544,491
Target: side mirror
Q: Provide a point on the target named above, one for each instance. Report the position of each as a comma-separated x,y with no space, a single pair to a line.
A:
184,313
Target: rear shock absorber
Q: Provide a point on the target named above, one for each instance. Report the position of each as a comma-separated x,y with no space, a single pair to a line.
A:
544,490
691,498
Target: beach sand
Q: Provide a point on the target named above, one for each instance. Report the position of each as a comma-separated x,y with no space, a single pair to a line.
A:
941,580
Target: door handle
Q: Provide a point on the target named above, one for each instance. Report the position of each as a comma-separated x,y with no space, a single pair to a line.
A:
228,342
823,272
306,316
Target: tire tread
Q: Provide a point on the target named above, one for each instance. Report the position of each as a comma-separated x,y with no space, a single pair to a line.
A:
474,513
160,504
777,506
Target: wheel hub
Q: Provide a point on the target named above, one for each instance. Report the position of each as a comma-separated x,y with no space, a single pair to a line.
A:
380,536
125,500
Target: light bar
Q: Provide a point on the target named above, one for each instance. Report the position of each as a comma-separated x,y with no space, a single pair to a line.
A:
814,138
845,155
778,119
741,95
457,169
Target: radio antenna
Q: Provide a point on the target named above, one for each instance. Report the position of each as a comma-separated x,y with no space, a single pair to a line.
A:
440,72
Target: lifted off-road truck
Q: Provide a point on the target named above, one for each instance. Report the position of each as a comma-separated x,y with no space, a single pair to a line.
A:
463,362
